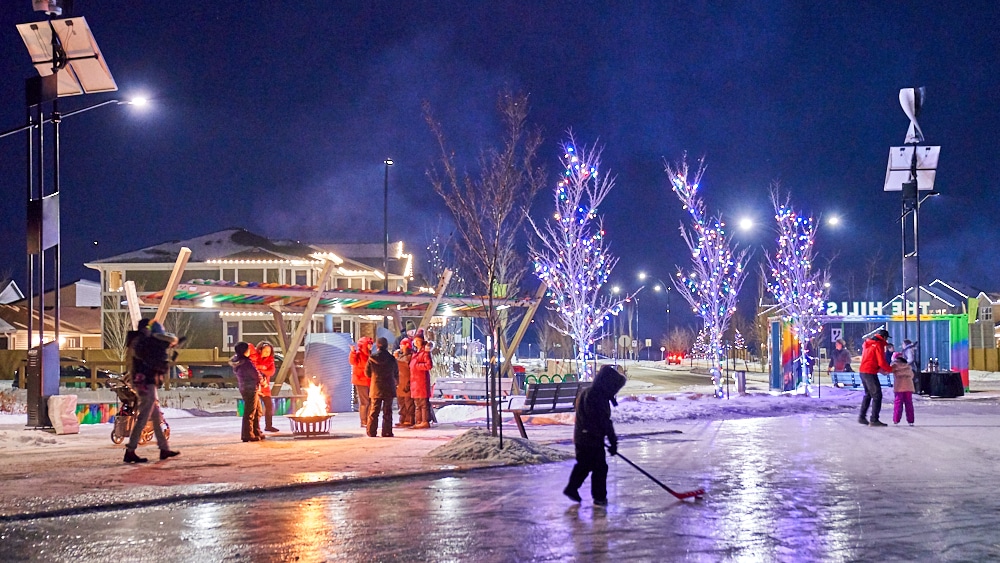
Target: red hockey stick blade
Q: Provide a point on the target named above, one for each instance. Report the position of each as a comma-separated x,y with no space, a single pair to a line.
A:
689,494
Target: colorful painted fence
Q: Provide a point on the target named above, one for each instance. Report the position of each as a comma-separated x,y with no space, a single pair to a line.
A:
96,413
282,405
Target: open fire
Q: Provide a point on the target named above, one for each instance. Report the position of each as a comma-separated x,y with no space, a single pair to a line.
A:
315,403
313,418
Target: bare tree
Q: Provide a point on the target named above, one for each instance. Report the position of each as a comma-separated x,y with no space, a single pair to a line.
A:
717,271
489,210
571,252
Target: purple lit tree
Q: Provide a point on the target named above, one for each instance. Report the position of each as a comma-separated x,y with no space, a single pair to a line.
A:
796,285
717,271
571,253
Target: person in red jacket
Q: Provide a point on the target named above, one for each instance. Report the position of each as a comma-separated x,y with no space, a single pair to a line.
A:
420,382
873,362
406,411
263,360
359,359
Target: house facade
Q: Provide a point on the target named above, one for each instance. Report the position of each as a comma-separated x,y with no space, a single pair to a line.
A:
244,258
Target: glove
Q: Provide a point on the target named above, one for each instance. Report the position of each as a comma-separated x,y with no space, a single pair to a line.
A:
613,449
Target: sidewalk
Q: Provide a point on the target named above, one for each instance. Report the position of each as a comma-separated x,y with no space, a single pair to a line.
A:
44,473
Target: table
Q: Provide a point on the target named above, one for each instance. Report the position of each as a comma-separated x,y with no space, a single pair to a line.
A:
946,384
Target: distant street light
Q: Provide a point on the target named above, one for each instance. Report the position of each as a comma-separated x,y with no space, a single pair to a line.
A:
833,220
746,224
385,240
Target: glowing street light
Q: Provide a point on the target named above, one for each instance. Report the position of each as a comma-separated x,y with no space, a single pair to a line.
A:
746,224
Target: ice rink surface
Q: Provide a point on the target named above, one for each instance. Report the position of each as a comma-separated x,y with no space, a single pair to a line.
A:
790,488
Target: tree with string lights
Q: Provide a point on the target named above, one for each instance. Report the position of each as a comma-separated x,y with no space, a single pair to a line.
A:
717,270
799,288
571,252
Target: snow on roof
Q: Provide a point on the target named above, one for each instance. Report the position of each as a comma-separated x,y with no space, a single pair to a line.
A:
219,245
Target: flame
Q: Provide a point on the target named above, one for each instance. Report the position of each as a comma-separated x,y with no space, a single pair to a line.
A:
315,404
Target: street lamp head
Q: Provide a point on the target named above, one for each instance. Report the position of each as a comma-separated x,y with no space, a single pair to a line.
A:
642,276
389,162
615,289
137,101
657,287
833,221
746,224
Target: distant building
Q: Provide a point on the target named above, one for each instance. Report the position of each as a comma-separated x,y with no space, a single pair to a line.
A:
237,255
79,319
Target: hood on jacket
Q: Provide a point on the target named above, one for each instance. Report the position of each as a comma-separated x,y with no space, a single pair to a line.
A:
381,356
607,383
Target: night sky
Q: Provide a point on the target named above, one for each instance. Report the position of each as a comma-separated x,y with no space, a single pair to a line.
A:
276,117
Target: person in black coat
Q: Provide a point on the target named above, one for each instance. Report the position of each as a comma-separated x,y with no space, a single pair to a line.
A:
593,424
383,370
151,355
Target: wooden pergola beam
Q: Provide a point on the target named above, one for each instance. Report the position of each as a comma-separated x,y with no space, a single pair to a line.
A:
300,329
279,323
174,281
425,321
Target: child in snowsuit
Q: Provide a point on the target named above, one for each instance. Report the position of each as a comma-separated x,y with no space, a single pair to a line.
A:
383,370
902,388
263,360
406,410
593,423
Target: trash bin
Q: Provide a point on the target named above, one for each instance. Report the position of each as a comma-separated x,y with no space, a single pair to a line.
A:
741,382
519,374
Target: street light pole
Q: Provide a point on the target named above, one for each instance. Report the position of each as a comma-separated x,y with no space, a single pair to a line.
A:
385,239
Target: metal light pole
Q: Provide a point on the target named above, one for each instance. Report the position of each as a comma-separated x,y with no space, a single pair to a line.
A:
385,240
912,168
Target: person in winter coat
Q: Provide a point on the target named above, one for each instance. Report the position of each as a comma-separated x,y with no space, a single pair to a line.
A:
593,424
263,359
151,347
383,370
248,380
406,410
840,358
359,359
420,382
902,388
873,362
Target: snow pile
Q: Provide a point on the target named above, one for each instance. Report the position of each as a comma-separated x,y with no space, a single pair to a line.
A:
460,413
693,406
478,445
16,438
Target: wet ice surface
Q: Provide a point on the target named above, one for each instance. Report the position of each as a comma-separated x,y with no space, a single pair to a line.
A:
797,488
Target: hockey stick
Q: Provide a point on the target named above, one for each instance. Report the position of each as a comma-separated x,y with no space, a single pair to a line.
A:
697,493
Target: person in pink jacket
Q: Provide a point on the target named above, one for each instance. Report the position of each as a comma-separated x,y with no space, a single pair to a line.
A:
420,382
359,359
902,388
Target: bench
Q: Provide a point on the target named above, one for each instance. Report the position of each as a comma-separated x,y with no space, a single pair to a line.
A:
466,391
853,379
547,398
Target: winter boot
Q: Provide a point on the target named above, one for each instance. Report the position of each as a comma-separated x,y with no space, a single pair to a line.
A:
573,495
600,502
387,435
863,420
876,422
167,454
422,425
130,457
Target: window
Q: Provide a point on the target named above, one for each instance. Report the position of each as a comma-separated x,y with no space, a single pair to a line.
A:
986,313
116,280
251,275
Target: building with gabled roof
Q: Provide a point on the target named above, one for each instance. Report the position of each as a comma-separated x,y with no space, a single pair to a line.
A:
242,257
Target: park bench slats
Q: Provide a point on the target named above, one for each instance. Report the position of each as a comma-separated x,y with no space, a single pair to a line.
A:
547,398
466,391
853,379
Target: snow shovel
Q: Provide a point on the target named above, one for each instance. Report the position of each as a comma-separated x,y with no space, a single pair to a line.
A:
697,493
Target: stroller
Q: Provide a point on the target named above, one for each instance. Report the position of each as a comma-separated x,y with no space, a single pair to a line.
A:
128,409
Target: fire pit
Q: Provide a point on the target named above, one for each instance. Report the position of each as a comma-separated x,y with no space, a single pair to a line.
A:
310,425
312,419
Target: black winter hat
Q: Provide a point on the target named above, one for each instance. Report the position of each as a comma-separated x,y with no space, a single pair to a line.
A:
883,333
